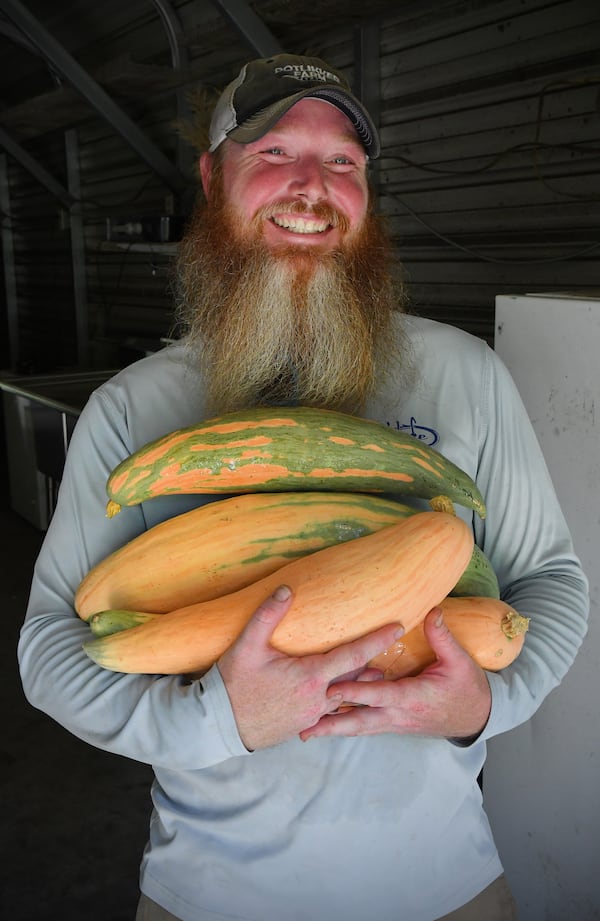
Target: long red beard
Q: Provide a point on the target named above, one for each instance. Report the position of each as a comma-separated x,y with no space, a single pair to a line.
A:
293,325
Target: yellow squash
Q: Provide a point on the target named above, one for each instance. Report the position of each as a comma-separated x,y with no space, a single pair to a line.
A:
341,593
223,546
490,630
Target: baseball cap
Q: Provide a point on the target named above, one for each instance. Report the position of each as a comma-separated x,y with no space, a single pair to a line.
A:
266,88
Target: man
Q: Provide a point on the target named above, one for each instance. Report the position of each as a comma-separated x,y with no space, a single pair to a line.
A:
271,802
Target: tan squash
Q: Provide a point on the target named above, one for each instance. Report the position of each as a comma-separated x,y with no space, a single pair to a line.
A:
490,630
341,593
223,546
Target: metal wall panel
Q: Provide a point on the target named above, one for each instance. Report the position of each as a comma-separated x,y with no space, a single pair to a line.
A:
42,264
491,131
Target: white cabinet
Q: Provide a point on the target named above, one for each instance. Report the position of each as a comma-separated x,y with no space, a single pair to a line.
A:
542,780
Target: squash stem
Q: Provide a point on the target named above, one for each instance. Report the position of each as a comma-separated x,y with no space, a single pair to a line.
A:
514,625
442,504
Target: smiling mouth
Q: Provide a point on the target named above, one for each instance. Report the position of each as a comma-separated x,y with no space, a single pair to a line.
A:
297,223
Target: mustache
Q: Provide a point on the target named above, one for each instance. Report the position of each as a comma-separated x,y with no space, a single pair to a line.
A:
321,210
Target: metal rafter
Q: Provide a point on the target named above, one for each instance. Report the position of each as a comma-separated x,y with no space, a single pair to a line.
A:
59,58
35,168
250,26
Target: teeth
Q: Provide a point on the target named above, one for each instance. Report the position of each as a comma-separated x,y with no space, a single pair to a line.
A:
299,224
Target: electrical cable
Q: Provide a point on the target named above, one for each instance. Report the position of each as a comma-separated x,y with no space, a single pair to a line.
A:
494,160
479,255
535,146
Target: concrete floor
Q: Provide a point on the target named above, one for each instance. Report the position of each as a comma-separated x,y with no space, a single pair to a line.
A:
74,819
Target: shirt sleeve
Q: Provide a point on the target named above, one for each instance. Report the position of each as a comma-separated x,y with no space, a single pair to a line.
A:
527,540
160,720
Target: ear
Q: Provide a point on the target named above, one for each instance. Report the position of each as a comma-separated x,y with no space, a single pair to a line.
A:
206,165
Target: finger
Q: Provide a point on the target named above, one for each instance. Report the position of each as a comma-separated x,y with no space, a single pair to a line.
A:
347,721
352,657
273,609
365,673
440,637
370,693
370,674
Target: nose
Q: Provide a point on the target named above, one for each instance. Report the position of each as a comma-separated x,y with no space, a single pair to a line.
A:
308,180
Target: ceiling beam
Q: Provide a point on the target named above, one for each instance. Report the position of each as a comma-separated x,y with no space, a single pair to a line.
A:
250,26
35,168
59,58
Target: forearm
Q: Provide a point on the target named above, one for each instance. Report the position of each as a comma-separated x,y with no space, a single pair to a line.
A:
557,608
159,720
163,721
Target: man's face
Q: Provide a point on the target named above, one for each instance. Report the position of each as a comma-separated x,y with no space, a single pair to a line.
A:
285,281
303,185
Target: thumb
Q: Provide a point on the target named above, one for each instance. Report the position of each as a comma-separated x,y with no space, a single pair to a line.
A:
266,617
439,636
253,647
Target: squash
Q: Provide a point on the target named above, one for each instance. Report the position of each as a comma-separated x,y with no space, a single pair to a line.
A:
272,449
479,578
341,593
490,630
112,621
223,546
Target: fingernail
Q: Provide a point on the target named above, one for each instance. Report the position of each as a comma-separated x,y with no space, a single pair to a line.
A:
439,619
399,632
282,593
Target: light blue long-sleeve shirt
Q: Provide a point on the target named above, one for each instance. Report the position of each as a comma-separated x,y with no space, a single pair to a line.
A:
388,827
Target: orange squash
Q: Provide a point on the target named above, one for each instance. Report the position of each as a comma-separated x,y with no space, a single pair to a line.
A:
341,593
490,630
223,546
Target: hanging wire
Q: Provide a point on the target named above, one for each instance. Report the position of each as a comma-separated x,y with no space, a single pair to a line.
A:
535,147
493,161
482,256
577,81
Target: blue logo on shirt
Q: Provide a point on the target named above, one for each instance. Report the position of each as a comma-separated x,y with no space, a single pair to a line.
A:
422,432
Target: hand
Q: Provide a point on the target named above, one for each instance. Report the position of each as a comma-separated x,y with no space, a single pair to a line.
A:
275,696
449,699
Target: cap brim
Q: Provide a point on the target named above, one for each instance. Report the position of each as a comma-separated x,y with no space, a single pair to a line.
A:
257,125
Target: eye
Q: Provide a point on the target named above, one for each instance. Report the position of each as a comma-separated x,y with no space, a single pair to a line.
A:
274,151
342,163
